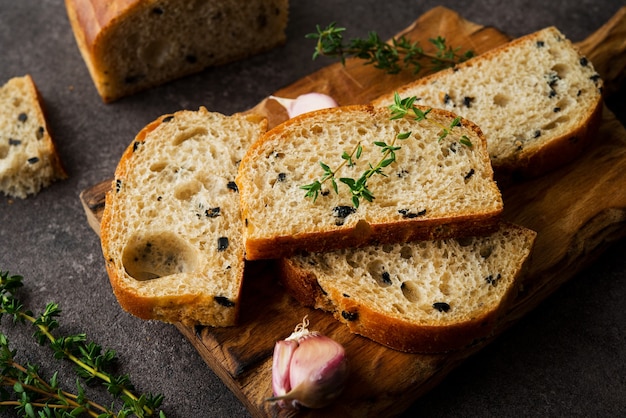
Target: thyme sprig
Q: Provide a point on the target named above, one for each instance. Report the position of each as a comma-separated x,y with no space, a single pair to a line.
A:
392,57
400,108
33,396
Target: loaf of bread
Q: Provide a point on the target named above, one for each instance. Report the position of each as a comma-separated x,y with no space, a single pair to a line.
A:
435,188
131,45
537,100
171,228
426,296
28,157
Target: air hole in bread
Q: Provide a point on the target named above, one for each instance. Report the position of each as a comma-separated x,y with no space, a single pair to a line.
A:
379,273
411,291
562,104
560,69
317,129
398,308
486,251
444,283
148,257
406,252
157,167
4,151
187,134
387,248
555,123
188,190
501,100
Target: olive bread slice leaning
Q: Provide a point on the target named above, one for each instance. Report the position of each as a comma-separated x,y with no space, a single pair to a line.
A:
171,227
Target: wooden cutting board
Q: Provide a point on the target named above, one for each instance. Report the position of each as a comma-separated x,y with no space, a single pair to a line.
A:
577,211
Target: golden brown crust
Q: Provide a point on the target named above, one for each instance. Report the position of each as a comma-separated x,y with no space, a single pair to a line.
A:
366,234
92,16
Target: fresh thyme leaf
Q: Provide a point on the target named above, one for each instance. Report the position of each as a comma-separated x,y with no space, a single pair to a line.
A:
359,151
400,108
466,141
392,57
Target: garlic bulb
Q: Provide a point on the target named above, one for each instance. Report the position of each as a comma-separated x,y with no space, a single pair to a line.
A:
308,369
305,103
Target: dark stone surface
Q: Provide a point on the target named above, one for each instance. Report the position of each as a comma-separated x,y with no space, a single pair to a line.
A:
567,358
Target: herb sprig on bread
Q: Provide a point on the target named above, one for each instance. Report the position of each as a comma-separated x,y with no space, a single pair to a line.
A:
401,108
392,57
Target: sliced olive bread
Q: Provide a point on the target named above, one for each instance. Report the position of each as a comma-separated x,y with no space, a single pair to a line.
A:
131,45
426,296
28,157
537,100
171,227
436,187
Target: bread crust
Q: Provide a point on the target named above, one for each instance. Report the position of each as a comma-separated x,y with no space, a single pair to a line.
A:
55,159
364,233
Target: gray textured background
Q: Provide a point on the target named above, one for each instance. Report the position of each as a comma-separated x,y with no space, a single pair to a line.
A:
567,358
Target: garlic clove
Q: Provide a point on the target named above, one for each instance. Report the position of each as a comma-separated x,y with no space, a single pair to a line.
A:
281,360
308,369
318,371
305,103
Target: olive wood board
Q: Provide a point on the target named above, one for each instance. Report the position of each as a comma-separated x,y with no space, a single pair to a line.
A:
577,211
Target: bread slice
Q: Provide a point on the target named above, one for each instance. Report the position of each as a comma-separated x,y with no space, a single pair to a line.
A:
537,100
171,227
28,157
131,45
426,296
435,188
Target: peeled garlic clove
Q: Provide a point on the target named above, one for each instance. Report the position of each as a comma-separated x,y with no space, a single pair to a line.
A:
305,103
308,369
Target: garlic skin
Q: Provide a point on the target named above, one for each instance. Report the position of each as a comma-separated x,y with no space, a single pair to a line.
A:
305,103
308,369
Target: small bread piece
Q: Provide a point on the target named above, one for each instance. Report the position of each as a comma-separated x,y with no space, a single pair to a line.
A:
435,188
426,296
171,227
131,45
28,158
537,100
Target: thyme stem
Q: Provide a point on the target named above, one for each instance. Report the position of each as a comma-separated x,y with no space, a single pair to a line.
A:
34,392
392,57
